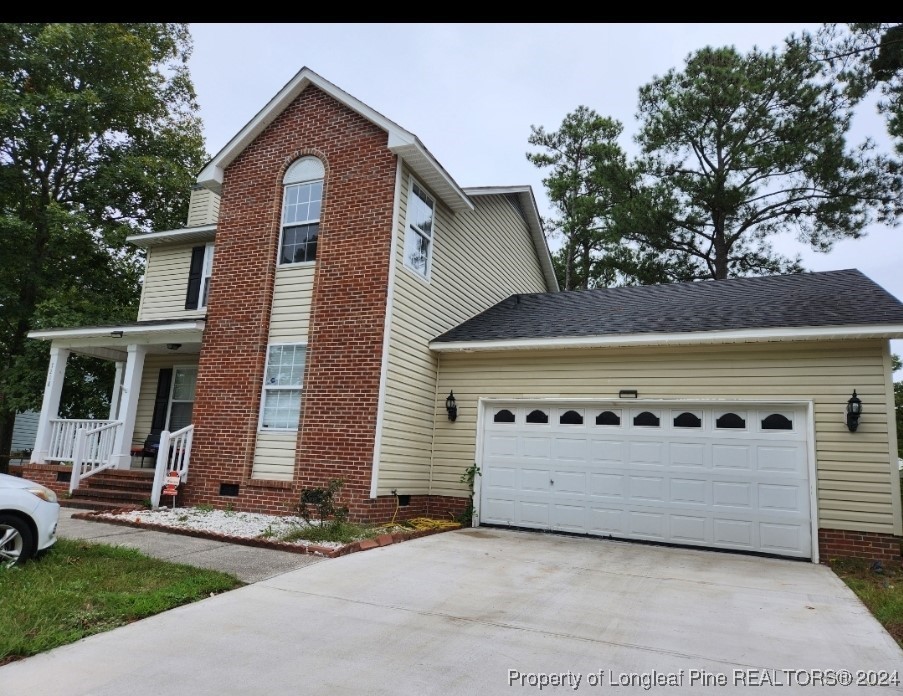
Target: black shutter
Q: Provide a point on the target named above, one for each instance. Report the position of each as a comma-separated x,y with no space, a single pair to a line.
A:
195,274
161,401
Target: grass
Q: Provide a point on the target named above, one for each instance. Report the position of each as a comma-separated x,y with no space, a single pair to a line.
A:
881,592
77,589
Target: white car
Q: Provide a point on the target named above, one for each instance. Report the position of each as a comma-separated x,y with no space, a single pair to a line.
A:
29,513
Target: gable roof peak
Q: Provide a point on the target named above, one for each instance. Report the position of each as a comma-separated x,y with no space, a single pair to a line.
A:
399,140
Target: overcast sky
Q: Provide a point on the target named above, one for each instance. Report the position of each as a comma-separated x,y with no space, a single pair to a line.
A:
471,92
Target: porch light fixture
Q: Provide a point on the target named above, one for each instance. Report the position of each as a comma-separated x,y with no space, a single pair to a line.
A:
627,394
854,410
451,406
116,334
173,346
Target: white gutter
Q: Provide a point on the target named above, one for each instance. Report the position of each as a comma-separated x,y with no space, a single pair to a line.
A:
808,333
104,331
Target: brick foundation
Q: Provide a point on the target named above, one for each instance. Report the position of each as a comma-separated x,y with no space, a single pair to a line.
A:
871,546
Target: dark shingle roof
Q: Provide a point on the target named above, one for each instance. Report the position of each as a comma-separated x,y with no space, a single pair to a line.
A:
832,298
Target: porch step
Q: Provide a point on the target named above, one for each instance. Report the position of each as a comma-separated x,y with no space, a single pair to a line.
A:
111,489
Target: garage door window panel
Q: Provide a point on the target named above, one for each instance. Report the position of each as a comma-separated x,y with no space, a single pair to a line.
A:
777,421
503,416
647,419
610,418
537,417
571,417
731,421
688,419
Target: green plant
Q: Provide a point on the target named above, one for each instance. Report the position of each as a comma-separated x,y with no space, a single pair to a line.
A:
342,532
320,504
204,507
469,477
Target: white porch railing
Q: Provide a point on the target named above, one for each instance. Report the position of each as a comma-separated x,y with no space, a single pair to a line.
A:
92,451
174,455
62,436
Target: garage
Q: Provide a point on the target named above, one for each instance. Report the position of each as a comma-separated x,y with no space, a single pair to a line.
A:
730,475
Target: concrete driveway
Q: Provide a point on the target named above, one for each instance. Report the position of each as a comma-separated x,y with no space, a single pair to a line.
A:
492,612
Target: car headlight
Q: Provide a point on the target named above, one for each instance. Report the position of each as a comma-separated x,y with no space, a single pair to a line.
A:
43,493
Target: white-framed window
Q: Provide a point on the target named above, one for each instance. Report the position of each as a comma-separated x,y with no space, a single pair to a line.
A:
418,234
302,199
205,275
283,385
181,397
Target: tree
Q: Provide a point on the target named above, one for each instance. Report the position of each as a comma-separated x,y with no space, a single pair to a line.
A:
98,139
866,57
589,173
739,148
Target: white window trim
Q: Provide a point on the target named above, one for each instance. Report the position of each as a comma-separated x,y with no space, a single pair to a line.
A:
172,389
423,277
206,273
283,225
263,390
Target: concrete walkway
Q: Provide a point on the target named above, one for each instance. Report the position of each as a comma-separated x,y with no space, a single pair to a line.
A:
247,563
490,612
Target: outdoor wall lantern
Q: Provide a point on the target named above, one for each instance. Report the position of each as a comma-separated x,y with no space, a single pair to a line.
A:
628,394
854,410
451,406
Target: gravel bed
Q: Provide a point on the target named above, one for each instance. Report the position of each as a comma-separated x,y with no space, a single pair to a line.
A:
247,525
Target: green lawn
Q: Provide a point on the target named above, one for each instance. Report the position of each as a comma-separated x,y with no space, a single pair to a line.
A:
881,592
77,589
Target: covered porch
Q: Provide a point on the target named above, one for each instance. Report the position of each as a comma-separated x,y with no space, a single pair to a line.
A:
149,423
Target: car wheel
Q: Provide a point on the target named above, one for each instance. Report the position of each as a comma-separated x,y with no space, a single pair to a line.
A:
16,541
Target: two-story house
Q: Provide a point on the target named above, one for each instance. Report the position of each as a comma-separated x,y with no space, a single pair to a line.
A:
339,307
288,324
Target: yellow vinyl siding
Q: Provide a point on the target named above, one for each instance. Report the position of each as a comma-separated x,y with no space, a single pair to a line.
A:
291,303
274,452
478,258
203,208
149,378
274,456
166,283
854,470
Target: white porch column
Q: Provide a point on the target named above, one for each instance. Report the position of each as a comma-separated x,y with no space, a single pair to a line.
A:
128,406
117,391
50,406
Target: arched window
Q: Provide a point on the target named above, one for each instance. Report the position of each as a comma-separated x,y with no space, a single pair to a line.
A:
302,198
687,420
537,416
730,420
571,418
776,421
503,416
647,419
608,418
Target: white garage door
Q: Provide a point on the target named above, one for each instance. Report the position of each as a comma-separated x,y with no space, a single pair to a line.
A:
730,476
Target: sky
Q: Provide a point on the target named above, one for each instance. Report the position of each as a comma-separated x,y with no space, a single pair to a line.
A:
471,92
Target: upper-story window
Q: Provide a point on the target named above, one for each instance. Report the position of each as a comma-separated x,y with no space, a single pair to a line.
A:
418,235
199,273
302,198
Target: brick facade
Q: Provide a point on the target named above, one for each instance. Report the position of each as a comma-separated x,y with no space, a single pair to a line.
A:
872,546
341,383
